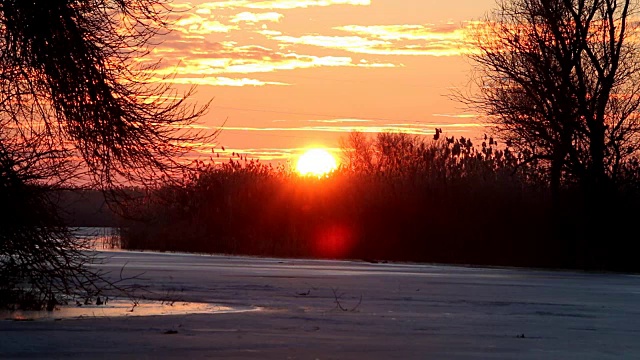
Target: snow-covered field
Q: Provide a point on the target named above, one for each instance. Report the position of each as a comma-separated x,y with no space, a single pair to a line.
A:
385,311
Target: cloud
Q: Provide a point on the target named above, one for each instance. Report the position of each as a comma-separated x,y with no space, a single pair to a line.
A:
444,32
280,4
212,41
250,17
339,121
195,23
336,42
266,154
458,116
415,129
416,40
293,4
189,126
210,45
269,32
205,62
218,81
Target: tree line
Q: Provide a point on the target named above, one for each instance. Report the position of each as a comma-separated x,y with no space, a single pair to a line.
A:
396,197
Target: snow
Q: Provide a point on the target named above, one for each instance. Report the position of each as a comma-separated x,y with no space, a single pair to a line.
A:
400,311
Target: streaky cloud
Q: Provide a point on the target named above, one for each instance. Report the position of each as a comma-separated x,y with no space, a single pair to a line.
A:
339,42
338,121
427,129
215,59
280,4
220,81
250,17
196,24
403,39
457,116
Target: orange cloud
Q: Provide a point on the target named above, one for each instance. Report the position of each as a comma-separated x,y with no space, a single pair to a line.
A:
203,62
219,81
217,154
336,42
269,32
444,32
205,50
266,154
198,24
280,4
250,17
418,40
338,121
422,129
209,44
458,116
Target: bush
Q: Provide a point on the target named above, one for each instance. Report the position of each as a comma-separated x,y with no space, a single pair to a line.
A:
396,197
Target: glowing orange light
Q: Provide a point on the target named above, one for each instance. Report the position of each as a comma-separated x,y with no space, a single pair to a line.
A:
335,241
316,162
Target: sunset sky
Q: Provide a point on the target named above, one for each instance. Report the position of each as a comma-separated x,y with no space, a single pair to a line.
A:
289,74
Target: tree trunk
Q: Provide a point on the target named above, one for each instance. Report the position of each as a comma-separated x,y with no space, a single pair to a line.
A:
556,175
596,194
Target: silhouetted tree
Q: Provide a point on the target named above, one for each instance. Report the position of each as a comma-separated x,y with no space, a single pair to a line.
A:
357,152
75,103
560,80
385,153
70,72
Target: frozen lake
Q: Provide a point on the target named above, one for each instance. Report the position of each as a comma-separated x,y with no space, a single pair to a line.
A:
384,311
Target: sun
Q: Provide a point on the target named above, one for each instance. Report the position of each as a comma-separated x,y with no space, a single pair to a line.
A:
316,162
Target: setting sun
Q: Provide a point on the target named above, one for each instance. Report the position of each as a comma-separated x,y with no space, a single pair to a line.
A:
316,162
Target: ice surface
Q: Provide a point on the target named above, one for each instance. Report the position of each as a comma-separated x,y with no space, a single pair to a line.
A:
393,311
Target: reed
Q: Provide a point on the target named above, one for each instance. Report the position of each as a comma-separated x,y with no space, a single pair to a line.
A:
396,197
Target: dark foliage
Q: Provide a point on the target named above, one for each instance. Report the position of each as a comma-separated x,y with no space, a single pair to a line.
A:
41,263
76,107
445,201
68,72
559,80
85,208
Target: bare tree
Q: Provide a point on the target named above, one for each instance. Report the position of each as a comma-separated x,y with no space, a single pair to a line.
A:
357,152
386,152
69,71
75,103
559,79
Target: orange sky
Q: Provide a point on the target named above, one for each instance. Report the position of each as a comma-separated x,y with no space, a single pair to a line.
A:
290,74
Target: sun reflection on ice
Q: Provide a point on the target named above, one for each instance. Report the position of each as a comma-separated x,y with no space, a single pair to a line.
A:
120,308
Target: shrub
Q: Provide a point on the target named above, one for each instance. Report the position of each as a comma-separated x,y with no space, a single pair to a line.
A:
396,197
